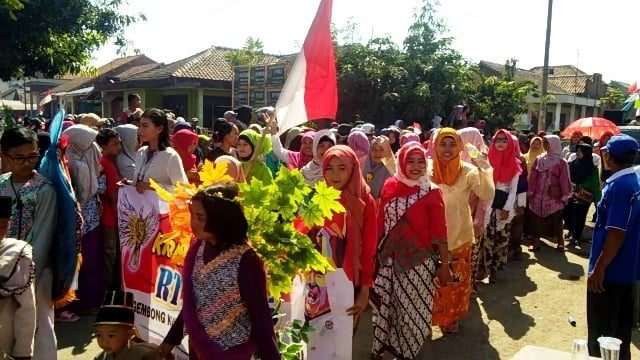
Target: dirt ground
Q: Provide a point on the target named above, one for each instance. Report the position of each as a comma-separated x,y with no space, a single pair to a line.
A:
529,305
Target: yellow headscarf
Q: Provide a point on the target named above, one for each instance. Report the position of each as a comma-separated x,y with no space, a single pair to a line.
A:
531,156
446,172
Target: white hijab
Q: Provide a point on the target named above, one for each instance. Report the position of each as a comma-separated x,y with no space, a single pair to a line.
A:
312,172
84,160
127,158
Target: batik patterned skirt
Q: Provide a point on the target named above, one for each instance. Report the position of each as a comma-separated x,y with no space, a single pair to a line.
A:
452,301
402,321
491,252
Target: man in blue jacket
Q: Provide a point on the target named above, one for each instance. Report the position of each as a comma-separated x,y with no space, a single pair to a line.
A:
614,263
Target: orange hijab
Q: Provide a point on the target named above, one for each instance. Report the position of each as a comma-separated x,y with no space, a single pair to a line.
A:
446,171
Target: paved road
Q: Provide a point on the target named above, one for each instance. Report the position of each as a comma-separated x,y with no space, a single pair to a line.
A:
529,305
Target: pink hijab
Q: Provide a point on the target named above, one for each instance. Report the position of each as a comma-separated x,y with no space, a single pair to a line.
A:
297,159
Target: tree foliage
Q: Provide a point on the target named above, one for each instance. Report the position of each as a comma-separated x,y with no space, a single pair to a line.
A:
501,100
614,98
251,53
380,80
53,38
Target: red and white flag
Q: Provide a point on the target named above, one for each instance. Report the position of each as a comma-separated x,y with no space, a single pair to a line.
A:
46,99
311,90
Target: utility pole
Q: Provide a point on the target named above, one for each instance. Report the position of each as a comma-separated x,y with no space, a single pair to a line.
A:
542,122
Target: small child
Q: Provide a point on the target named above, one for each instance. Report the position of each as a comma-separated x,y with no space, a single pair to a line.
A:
115,330
17,292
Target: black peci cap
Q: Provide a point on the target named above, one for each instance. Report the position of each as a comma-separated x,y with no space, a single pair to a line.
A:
117,309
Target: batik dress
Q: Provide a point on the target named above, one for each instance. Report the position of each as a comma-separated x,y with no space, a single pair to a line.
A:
412,221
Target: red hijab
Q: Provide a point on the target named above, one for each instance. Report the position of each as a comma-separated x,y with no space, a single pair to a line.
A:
354,198
506,164
182,141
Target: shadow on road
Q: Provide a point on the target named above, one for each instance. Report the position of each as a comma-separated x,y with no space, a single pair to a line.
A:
500,300
78,334
557,261
472,342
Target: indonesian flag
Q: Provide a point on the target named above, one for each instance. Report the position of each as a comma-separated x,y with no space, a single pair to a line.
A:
46,99
311,90
633,88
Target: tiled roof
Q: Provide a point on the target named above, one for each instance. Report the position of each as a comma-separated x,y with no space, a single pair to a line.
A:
560,70
210,64
136,70
103,70
523,75
570,83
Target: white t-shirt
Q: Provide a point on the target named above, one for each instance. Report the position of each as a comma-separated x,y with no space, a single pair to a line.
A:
164,167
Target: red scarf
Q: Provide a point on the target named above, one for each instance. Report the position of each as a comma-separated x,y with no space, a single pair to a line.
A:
182,140
506,164
354,199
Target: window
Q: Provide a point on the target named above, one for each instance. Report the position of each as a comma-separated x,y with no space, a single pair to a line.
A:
276,75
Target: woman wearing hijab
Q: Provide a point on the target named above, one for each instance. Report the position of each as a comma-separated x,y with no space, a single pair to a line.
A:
322,141
293,159
473,136
252,149
408,136
357,225
359,143
412,221
492,250
586,185
348,240
83,156
185,143
549,191
126,161
457,180
535,149
234,168
292,134
379,166
480,209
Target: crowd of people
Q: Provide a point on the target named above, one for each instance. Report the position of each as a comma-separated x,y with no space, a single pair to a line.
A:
429,215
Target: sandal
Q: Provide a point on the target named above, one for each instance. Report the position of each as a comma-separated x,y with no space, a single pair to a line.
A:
67,317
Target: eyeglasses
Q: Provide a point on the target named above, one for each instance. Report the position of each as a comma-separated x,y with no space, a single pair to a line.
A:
24,159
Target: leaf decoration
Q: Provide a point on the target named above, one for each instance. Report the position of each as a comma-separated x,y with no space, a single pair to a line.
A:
214,174
327,199
163,194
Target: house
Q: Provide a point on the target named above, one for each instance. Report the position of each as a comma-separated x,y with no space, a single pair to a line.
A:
27,94
573,94
199,86
80,94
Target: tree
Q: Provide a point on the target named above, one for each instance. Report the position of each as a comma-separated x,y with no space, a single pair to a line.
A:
371,80
501,100
380,80
252,53
50,39
614,98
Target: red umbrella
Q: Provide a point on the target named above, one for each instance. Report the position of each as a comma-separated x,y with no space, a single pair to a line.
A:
594,127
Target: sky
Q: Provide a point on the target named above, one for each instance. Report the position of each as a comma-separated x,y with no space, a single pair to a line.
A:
597,36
